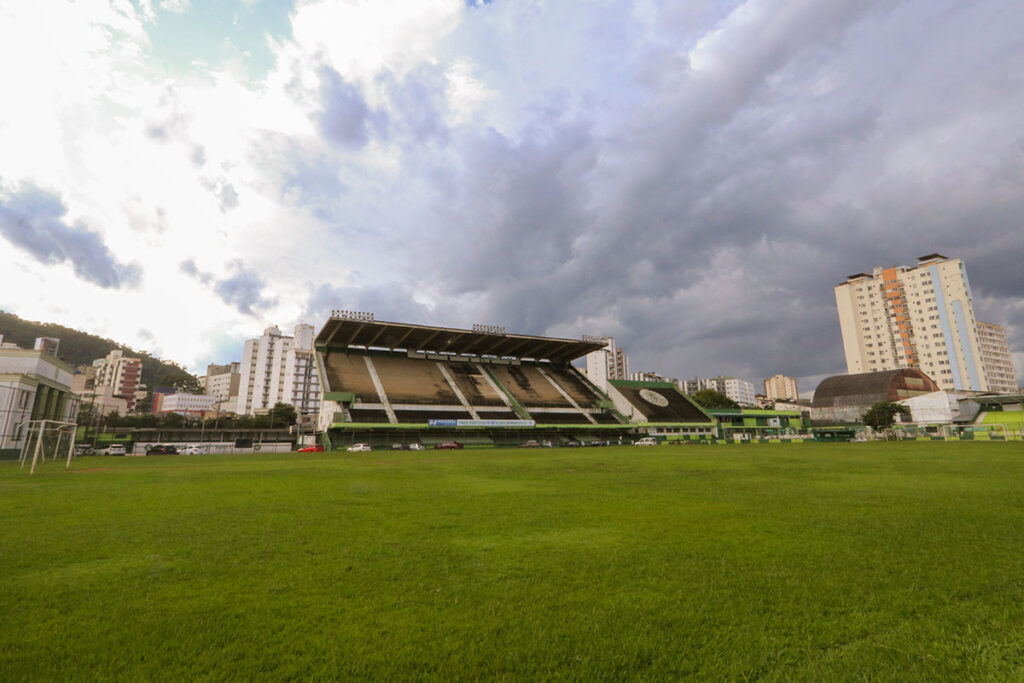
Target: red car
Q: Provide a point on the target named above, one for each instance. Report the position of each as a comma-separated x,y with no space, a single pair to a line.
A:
311,449
448,446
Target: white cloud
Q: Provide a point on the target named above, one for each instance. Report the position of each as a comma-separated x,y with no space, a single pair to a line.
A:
176,6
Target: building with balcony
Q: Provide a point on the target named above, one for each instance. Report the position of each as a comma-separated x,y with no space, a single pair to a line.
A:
277,368
914,317
996,360
780,388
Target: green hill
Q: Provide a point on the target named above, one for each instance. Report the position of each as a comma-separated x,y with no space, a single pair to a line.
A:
80,348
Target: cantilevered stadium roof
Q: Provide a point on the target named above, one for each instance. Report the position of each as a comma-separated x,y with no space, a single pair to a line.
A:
340,333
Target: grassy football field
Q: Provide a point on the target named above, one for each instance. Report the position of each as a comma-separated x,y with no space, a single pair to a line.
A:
816,562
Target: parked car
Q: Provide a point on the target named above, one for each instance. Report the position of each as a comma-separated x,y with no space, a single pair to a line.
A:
572,443
315,448
532,443
84,449
159,449
399,447
598,442
448,446
117,449
192,450
359,448
417,447
646,441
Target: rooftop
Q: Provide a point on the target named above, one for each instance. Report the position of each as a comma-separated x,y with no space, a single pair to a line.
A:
342,332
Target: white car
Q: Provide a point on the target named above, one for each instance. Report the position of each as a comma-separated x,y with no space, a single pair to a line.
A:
358,448
116,449
417,447
646,441
192,450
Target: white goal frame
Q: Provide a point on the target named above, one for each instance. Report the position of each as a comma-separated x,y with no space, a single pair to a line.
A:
39,428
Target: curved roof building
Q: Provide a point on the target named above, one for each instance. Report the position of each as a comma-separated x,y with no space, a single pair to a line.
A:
844,398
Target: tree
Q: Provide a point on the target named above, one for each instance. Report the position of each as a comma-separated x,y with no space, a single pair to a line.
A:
283,415
882,415
709,398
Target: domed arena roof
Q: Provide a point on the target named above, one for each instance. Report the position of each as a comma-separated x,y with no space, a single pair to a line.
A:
868,388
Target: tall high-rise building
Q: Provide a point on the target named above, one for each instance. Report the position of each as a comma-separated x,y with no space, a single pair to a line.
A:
913,317
996,359
780,387
607,363
279,369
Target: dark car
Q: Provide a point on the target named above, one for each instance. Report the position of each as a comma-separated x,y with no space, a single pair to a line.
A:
161,449
448,446
598,442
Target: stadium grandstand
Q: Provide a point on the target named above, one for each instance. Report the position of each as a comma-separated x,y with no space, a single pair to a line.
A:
387,382
663,409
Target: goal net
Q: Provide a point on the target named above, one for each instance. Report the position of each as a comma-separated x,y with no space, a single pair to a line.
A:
47,439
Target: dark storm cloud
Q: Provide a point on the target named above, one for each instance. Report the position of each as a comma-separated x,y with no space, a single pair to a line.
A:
392,302
345,118
417,103
706,224
33,220
241,289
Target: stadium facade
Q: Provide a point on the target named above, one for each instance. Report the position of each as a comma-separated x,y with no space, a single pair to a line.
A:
387,382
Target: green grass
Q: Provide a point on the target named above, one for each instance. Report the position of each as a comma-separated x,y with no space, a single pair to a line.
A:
816,562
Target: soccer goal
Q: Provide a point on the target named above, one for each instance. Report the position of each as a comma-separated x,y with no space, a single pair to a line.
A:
47,439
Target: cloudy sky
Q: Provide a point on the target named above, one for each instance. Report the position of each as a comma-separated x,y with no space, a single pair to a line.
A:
692,178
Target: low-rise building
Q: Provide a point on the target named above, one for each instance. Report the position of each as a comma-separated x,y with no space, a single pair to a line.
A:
738,390
187,404
222,382
33,386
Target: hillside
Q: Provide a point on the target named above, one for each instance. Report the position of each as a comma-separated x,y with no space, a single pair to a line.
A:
80,348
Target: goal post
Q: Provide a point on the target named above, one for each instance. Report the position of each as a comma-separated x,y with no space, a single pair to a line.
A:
47,439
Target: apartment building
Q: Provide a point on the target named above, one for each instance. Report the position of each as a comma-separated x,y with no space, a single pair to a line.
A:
277,368
996,359
186,404
607,363
738,390
222,382
913,317
119,376
780,387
